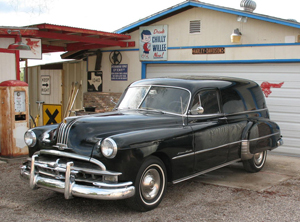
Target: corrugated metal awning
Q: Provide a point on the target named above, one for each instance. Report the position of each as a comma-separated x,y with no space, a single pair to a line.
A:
57,38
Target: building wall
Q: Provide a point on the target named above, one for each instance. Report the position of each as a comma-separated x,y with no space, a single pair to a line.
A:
260,40
7,66
5,42
7,60
216,28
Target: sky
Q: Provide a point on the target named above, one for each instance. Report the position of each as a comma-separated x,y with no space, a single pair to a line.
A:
110,15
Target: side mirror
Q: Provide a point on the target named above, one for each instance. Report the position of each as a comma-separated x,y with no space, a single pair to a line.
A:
197,111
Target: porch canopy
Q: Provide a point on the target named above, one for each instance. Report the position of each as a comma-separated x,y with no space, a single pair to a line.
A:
57,38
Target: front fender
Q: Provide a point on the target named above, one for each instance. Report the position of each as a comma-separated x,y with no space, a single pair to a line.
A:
135,146
40,144
155,140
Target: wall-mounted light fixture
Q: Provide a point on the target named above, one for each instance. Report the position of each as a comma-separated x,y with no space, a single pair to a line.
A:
18,45
236,36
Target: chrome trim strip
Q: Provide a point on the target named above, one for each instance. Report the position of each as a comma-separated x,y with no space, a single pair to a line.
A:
207,115
227,144
205,171
228,114
184,155
206,150
68,128
60,131
72,155
218,147
112,185
245,112
263,137
63,131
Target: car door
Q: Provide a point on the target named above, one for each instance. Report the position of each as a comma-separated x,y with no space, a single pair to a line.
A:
210,130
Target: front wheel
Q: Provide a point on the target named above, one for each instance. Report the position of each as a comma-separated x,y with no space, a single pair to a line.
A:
150,185
256,163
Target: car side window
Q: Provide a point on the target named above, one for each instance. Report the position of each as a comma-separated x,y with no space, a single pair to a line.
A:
207,101
232,101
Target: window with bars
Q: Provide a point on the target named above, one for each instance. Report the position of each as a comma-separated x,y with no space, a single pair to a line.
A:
195,26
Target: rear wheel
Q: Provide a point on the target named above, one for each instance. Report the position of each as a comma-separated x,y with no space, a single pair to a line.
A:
256,163
150,185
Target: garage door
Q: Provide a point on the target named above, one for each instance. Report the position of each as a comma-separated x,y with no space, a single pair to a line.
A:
281,84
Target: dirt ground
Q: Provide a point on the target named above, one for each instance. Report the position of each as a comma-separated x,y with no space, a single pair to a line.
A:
193,200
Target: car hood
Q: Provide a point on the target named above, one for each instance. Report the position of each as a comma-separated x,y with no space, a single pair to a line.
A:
82,133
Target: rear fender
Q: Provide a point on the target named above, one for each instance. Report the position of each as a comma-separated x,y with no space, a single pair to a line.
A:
264,135
258,136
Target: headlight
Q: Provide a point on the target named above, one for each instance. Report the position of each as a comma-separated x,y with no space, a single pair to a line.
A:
109,148
30,138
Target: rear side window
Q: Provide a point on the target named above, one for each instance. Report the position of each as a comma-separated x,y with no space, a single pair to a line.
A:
242,98
232,101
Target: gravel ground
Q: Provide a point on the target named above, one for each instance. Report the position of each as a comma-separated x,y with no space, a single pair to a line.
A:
187,201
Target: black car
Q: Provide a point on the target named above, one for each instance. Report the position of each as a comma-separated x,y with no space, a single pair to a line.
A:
162,130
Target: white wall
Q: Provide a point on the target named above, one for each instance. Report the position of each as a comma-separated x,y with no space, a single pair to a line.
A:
7,66
5,42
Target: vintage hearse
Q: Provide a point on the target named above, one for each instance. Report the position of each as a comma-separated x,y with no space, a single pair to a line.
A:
162,130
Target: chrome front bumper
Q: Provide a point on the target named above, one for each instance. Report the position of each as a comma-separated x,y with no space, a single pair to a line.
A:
68,186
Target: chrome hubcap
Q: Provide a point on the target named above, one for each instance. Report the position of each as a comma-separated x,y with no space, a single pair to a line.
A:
258,158
150,184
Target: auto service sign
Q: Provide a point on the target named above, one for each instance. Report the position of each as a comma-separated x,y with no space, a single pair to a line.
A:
154,43
35,51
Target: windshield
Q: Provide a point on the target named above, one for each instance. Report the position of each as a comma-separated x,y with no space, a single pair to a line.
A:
160,98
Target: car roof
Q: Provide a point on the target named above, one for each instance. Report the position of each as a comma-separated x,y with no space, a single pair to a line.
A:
194,83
